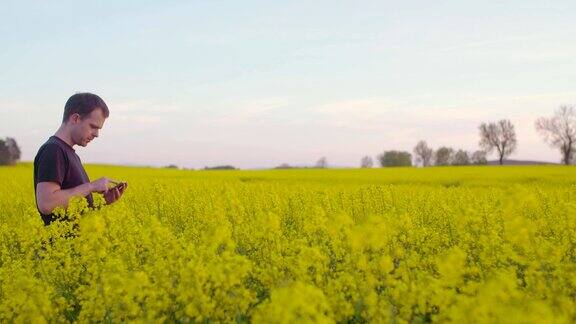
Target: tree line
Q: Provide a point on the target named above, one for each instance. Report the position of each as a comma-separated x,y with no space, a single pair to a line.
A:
559,131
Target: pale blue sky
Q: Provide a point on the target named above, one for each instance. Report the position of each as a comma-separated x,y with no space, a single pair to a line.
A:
259,83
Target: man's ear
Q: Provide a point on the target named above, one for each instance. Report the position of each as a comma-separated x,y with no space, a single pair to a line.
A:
75,118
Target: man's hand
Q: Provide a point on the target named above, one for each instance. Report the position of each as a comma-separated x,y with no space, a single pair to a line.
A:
112,195
101,185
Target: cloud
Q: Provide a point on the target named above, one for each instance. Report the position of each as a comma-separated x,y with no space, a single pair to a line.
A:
142,112
247,112
7,106
496,42
139,119
397,114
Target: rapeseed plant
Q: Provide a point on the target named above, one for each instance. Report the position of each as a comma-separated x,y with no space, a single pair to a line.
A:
476,244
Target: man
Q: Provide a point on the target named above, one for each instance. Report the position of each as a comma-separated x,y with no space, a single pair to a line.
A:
58,171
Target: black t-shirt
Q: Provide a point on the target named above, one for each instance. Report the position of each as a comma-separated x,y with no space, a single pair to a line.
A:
56,161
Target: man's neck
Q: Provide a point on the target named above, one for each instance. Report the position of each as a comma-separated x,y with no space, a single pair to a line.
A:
64,135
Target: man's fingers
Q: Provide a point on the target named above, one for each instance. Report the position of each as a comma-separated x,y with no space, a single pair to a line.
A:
113,194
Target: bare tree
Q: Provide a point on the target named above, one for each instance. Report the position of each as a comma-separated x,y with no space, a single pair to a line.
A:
367,162
423,154
560,132
444,156
322,163
499,137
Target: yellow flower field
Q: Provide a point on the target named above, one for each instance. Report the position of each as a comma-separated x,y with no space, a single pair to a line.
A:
455,244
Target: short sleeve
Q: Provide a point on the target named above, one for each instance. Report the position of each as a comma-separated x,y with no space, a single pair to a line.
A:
51,165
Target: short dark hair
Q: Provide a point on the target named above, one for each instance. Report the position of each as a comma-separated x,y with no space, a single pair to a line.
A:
83,104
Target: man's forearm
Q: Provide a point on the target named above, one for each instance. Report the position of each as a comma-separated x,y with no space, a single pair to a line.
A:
61,198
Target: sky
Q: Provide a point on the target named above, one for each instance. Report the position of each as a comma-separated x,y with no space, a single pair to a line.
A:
256,84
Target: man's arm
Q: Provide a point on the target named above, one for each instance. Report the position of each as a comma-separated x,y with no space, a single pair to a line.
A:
50,195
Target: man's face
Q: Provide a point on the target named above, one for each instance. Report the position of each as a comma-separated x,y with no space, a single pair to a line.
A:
86,129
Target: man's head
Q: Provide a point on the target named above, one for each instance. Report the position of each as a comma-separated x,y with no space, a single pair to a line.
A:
84,116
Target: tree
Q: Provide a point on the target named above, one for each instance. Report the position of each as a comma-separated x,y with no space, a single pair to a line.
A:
322,163
221,167
5,158
366,162
395,158
461,158
499,137
444,156
560,132
13,148
423,154
9,151
479,157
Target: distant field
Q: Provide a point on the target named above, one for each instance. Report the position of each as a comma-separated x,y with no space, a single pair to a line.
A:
454,244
